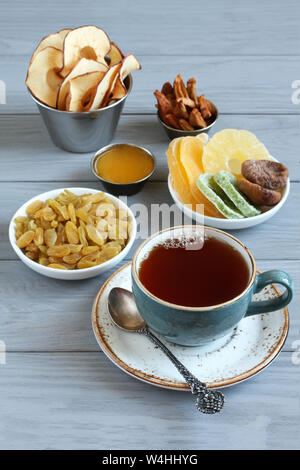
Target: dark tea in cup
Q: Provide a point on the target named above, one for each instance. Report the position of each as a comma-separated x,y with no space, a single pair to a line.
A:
193,284
182,273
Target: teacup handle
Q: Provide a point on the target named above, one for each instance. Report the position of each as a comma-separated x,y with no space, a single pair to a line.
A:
274,276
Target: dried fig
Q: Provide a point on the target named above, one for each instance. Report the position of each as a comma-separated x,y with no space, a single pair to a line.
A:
259,195
266,173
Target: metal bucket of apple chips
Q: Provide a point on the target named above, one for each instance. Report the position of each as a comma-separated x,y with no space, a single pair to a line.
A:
80,80
81,132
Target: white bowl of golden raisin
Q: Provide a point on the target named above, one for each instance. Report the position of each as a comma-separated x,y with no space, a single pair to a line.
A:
72,233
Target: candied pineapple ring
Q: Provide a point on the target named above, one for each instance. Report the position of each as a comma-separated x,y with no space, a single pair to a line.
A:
72,232
229,148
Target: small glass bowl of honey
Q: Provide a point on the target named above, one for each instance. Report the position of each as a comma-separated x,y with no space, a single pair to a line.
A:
123,168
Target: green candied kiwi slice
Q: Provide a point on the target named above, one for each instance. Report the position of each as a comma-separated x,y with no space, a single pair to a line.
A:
217,197
228,182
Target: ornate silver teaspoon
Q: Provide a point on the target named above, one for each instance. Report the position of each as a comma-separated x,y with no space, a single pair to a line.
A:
125,315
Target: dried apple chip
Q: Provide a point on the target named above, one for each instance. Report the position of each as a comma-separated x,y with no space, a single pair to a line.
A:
53,40
82,67
63,56
129,64
43,79
81,91
119,90
104,87
87,42
115,54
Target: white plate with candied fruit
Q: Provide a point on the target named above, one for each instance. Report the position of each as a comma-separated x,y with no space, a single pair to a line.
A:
229,182
72,233
228,224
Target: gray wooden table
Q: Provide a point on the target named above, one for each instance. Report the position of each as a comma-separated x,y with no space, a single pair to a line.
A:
57,390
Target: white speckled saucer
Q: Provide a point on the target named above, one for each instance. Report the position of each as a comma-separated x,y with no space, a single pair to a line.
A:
253,345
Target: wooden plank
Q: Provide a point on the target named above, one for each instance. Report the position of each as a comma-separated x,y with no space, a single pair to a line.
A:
159,28
54,315
236,84
278,238
25,145
82,401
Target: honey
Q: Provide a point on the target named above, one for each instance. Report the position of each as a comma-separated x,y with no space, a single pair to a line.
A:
123,164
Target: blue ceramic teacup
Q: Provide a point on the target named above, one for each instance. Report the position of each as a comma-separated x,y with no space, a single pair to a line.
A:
194,326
